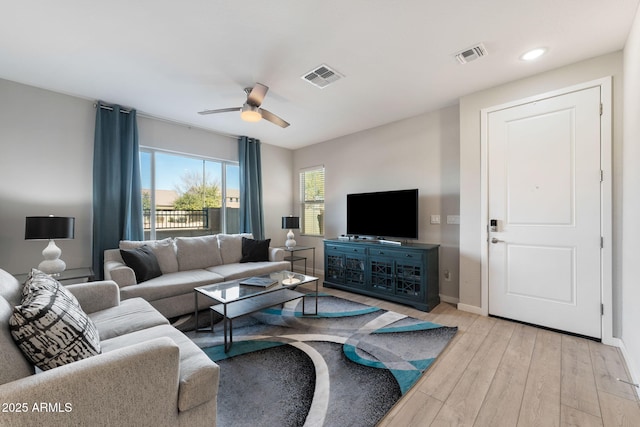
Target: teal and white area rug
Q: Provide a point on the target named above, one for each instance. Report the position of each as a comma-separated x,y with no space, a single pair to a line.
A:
347,366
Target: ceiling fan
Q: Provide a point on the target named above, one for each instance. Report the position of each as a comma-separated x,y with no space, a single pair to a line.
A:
250,110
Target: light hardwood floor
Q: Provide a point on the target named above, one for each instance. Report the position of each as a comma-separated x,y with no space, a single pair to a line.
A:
500,373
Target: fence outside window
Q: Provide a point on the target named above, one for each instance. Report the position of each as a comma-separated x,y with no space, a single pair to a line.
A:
178,219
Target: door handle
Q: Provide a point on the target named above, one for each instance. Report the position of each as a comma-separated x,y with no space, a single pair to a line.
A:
494,240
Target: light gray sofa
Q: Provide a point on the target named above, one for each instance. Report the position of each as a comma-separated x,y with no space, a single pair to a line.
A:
148,374
186,263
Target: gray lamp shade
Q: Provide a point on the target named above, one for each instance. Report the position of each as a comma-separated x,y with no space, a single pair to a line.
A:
290,222
49,227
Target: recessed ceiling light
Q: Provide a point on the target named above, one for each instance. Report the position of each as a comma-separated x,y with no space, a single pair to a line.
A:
533,54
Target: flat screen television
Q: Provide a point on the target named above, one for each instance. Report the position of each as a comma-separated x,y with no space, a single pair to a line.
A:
382,214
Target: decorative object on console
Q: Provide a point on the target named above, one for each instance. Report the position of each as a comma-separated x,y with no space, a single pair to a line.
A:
50,228
290,222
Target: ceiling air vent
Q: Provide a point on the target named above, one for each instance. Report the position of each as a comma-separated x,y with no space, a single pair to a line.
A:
471,54
322,76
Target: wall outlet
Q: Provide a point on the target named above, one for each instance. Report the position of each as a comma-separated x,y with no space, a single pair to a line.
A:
435,219
447,275
453,219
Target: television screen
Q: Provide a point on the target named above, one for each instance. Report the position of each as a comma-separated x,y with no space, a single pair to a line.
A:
383,214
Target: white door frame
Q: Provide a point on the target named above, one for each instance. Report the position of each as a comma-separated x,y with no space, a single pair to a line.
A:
606,203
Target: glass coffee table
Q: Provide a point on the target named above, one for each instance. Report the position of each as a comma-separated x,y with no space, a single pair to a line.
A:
234,299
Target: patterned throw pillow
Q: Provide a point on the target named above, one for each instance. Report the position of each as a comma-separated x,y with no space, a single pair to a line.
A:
38,281
50,327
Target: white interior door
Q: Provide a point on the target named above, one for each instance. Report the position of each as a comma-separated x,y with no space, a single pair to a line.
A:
544,185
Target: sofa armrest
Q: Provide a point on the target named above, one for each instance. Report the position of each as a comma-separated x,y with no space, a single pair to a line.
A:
96,296
119,273
107,389
276,254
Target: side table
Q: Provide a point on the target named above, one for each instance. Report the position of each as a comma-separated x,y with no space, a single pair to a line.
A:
293,258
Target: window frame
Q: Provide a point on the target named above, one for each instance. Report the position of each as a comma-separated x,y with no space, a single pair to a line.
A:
320,205
152,151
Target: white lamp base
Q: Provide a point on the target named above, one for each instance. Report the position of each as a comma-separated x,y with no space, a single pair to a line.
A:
52,263
290,243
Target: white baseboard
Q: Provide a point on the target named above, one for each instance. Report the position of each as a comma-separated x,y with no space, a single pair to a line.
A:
629,362
448,299
470,309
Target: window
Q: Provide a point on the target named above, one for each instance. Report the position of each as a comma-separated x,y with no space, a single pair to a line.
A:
188,195
312,201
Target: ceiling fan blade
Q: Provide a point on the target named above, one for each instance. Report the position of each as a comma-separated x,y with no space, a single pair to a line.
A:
257,94
273,118
221,110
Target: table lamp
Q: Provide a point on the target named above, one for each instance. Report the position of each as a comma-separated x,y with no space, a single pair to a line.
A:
290,222
49,228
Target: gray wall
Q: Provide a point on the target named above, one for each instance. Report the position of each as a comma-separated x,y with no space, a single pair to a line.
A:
630,292
46,168
420,152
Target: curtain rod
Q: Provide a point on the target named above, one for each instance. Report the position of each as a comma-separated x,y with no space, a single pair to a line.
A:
106,107
174,122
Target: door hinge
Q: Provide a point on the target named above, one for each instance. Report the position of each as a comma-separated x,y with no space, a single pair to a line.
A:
601,108
601,175
602,309
601,242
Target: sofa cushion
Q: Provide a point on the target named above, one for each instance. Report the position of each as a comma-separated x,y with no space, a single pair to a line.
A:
164,250
10,288
170,285
13,363
198,252
231,247
255,250
51,329
239,271
198,376
143,262
131,315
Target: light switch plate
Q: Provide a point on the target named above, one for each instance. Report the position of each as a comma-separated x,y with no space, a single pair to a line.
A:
435,219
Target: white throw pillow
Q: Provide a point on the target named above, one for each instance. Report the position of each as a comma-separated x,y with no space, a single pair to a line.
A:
198,252
231,246
164,250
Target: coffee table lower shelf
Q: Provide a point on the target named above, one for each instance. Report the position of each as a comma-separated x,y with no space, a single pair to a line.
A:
231,310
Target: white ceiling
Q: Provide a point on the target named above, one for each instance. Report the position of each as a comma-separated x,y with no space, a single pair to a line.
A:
170,59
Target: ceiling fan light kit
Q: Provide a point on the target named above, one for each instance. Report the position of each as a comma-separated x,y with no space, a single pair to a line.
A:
249,113
250,110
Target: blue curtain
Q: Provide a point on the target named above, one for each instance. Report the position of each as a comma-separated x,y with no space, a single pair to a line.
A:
117,202
251,216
